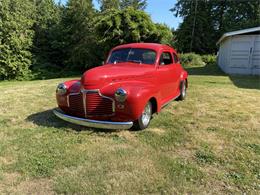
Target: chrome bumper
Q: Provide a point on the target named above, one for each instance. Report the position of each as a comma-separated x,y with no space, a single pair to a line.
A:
92,123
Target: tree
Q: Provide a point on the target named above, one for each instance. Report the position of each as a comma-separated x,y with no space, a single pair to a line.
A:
122,4
196,32
109,4
16,38
165,35
48,17
235,15
78,36
136,4
205,21
116,27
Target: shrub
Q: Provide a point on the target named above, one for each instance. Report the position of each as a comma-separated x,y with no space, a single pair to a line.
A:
209,59
196,60
191,60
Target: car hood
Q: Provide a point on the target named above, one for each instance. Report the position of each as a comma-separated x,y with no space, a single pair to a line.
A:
105,74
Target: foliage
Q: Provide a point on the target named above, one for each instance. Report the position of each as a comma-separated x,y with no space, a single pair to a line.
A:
209,59
196,31
136,4
116,27
205,21
166,36
16,38
122,4
109,4
191,60
46,27
235,15
41,36
78,34
195,60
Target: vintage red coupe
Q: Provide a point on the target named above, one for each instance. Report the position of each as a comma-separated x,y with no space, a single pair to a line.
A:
136,81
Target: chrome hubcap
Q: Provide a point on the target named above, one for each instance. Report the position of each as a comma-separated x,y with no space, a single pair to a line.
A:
147,113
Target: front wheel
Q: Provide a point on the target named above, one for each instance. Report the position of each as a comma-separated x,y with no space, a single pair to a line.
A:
144,120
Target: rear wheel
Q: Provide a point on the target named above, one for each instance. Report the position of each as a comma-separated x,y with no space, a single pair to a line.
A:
144,120
183,91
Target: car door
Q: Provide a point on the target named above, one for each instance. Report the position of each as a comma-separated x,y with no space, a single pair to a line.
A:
166,73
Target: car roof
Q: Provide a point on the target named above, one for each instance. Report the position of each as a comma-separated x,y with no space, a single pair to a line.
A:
153,46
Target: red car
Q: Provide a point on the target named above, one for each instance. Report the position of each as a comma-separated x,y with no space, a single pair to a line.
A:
136,81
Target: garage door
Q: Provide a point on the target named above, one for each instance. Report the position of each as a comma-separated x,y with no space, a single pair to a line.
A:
255,56
240,52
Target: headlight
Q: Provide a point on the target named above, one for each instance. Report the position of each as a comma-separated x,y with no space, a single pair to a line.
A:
121,95
61,89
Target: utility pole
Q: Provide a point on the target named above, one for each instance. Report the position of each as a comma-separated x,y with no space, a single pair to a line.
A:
194,24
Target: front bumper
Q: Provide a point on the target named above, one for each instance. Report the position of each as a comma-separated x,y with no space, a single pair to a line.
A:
92,123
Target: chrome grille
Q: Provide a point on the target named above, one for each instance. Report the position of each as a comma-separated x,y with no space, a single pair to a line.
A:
97,105
76,106
90,103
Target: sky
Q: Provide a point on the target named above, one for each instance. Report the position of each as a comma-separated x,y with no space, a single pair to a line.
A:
159,10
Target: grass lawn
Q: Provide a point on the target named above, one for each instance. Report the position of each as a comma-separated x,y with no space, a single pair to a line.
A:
209,143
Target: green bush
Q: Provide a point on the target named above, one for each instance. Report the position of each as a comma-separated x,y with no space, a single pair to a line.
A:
191,60
209,59
196,60
49,71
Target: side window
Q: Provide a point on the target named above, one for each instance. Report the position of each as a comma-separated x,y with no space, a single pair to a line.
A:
176,59
166,58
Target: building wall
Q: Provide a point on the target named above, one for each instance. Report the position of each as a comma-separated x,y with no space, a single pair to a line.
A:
240,54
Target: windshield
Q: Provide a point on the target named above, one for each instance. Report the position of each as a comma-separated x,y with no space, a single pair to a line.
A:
135,55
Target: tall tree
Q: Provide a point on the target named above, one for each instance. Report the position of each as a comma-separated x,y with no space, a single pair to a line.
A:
78,36
204,21
136,4
230,15
122,4
109,4
196,32
48,16
16,37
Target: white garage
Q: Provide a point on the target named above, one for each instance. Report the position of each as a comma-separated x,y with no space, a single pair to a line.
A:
239,52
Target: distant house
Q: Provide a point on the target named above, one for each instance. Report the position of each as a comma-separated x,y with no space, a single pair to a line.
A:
239,52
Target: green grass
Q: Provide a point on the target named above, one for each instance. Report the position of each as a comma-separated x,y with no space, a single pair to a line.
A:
208,143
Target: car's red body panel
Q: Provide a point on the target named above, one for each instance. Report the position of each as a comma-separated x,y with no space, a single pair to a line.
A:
143,82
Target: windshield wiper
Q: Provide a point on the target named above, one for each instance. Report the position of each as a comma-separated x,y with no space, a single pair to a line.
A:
135,61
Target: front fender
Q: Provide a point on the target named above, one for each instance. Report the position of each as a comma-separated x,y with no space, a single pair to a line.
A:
139,93
73,86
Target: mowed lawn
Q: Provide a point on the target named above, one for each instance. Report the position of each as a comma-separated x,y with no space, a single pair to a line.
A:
209,143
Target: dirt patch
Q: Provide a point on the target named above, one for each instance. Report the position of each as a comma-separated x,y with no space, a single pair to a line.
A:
40,186
128,135
157,131
218,143
6,160
7,181
12,184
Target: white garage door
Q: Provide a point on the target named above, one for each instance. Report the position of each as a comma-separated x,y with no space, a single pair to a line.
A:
240,52
255,56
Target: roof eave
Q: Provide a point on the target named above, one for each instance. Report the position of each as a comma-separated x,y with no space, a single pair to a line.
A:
238,32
